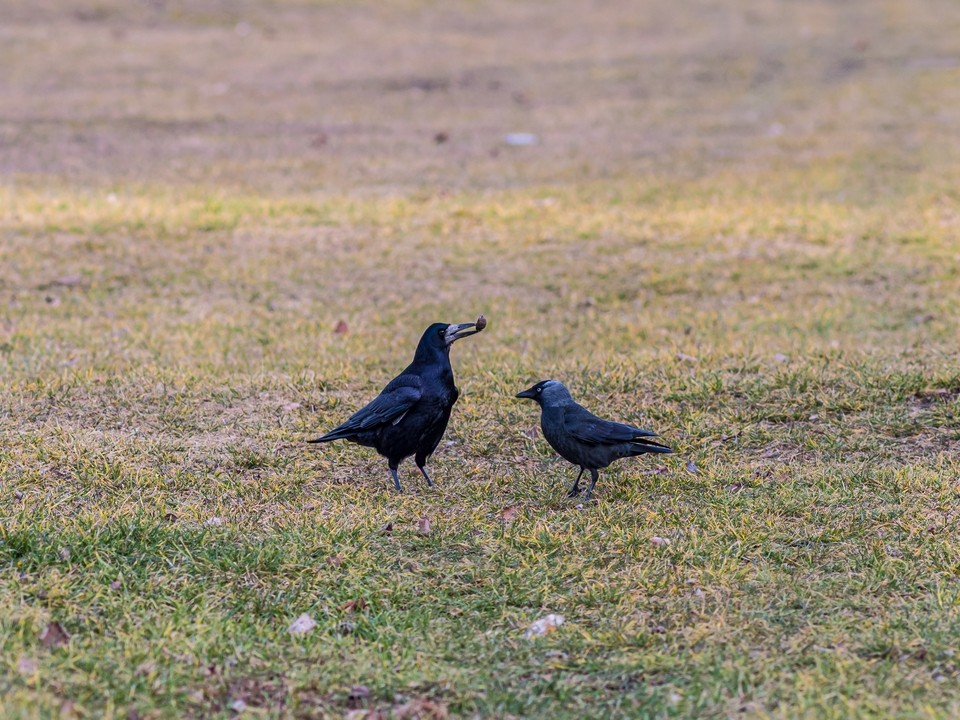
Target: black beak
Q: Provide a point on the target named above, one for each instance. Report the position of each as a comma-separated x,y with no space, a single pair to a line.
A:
529,393
458,332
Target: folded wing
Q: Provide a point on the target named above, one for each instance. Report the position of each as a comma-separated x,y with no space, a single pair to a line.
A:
388,407
591,430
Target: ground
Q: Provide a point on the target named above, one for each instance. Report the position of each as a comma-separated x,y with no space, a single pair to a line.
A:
737,225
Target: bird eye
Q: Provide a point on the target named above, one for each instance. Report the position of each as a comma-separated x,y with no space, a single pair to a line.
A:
539,390
441,331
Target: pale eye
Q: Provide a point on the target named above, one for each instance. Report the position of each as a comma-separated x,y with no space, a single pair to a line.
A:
539,390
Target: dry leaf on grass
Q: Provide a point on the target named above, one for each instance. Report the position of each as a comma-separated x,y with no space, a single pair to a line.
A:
545,625
510,513
54,635
341,328
659,541
420,710
423,526
302,625
353,605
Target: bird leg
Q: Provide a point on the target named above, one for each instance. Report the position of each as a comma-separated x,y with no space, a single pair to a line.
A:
594,475
426,475
396,478
575,488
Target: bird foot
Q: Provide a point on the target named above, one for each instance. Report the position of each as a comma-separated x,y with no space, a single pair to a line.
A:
573,492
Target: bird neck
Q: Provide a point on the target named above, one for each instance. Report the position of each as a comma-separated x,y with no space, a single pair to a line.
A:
431,355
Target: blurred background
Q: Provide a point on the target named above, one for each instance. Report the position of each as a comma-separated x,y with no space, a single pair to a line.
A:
303,95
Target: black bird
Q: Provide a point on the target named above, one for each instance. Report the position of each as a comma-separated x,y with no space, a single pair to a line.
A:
581,437
409,416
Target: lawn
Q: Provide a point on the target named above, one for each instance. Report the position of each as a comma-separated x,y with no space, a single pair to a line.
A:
224,226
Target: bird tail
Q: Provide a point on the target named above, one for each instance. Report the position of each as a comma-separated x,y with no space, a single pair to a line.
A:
339,433
645,445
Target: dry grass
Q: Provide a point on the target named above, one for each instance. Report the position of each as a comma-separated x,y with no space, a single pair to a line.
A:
739,227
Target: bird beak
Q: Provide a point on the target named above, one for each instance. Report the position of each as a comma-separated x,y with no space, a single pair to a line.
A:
456,332
529,393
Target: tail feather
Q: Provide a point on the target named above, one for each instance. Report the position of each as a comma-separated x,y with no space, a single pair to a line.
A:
643,445
336,434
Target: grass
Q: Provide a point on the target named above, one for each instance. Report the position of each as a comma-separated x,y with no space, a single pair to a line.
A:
746,240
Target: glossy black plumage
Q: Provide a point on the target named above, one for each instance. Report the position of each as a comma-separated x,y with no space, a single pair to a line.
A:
410,415
581,437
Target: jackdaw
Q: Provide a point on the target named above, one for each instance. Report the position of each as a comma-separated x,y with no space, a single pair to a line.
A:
581,437
409,416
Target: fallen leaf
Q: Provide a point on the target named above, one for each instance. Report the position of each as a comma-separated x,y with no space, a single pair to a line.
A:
352,605
334,561
116,585
659,541
341,328
692,467
238,706
67,280
145,668
420,710
520,139
359,694
64,553
510,513
658,470
545,625
54,635
302,625
423,526
531,433
214,521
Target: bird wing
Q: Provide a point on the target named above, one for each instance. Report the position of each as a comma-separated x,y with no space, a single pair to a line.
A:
389,406
588,428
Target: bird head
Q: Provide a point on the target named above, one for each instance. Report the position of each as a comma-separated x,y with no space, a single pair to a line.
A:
547,393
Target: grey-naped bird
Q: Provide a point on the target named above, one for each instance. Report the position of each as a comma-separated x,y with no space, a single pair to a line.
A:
581,437
411,413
